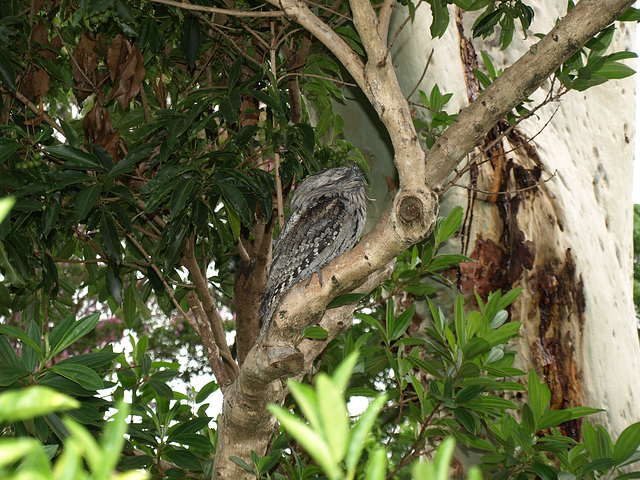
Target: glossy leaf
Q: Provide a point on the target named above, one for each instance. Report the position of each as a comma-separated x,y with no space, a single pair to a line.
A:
7,77
191,39
75,331
109,235
83,376
75,156
32,402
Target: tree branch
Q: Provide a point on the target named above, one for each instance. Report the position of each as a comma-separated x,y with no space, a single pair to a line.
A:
517,82
38,112
224,11
298,12
212,316
202,328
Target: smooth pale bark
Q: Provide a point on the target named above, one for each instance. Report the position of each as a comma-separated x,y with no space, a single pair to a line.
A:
245,424
579,328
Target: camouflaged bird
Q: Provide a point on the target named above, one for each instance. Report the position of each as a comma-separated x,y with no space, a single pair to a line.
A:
327,216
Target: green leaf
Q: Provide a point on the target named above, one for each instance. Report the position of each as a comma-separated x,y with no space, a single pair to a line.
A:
7,148
184,458
377,465
242,464
556,417
113,439
161,389
130,159
469,393
361,431
205,391
188,427
306,399
50,218
129,306
482,78
346,299
114,283
450,225
614,71
601,464
83,376
246,134
32,402
234,73
627,443
402,323
630,15
181,194
93,360
485,23
75,156
443,458
311,441
316,333
191,39
8,357
20,335
544,472
13,449
199,442
343,373
237,201
334,416
109,235
9,374
440,14
7,77
85,201
539,396
75,331
10,271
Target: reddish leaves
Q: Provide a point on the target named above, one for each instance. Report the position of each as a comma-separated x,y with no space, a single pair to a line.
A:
127,63
84,65
35,81
97,127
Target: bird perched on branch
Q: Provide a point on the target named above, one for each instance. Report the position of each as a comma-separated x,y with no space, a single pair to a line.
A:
327,215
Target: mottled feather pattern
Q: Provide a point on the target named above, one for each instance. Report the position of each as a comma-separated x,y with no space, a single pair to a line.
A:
327,215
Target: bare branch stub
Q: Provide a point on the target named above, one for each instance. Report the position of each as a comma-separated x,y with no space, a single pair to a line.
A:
410,210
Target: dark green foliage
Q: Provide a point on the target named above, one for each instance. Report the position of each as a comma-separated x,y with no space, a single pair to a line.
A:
131,128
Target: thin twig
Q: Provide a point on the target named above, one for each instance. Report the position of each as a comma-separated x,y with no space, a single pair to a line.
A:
339,83
424,72
550,97
159,274
240,51
276,156
244,255
37,111
330,10
212,315
210,347
508,192
73,59
224,11
384,18
395,36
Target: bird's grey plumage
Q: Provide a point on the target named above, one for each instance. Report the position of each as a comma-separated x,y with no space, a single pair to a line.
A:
327,215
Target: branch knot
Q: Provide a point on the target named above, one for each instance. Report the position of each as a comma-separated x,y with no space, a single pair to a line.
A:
415,214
